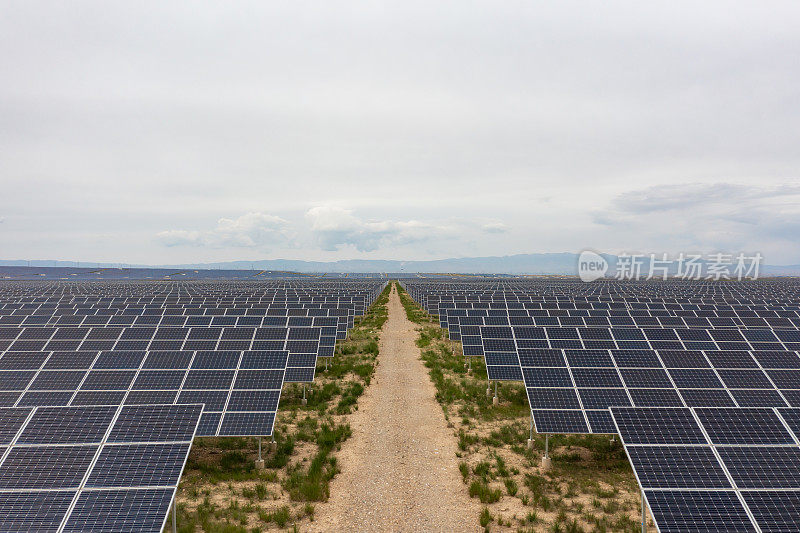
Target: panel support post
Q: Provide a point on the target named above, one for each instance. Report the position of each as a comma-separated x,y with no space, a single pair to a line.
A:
489,388
304,401
644,511
546,462
175,513
530,438
260,460
495,400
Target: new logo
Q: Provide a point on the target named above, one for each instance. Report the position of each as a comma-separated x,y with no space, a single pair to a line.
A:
591,266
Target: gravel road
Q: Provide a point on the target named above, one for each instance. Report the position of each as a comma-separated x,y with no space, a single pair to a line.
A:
399,469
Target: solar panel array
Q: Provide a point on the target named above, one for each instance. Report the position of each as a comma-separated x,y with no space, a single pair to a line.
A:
701,380
229,346
628,344
570,390
47,270
92,468
716,469
103,386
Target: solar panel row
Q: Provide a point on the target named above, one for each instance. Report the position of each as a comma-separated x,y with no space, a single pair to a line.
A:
701,380
84,445
114,348
92,468
741,354
713,469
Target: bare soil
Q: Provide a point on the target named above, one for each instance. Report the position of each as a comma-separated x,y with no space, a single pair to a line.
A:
399,471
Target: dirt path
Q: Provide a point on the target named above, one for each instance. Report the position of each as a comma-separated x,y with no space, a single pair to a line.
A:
399,469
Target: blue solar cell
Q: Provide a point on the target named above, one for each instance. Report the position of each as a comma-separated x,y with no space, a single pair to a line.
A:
744,379
757,398
48,398
108,380
645,377
209,422
697,511
98,398
636,358
239,423
34,511
589,358
22,360
158,379
154,423
774,511
541,357
259,379
540,398
112,511
246,400
559,421
596,377
46,467
707,398
57,380
546,377
699,378
213,400
743,426
655,397
135,465
601,422
677,467
67,425
657,425
762,467
11,421
504,373
15,380
603,398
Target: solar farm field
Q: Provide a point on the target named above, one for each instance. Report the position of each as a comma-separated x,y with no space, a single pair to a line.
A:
700,379
245,405
104,385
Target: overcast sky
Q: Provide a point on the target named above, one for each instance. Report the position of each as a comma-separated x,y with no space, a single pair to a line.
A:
155,132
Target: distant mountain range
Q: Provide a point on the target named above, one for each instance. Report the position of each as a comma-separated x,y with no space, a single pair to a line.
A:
546,263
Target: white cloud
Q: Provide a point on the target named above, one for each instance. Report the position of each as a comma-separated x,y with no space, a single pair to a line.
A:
692,195
180,237
705,217
495,227
334,227
250,230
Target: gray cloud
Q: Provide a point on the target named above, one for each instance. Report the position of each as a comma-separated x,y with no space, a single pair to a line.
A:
335,227
720,216
691,195
495,227
249,231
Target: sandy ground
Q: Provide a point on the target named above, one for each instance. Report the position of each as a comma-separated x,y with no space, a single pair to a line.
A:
399,470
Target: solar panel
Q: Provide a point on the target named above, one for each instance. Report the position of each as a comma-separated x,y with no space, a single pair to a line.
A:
93,468
168,336
712,469
774,511
701,511
142,377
